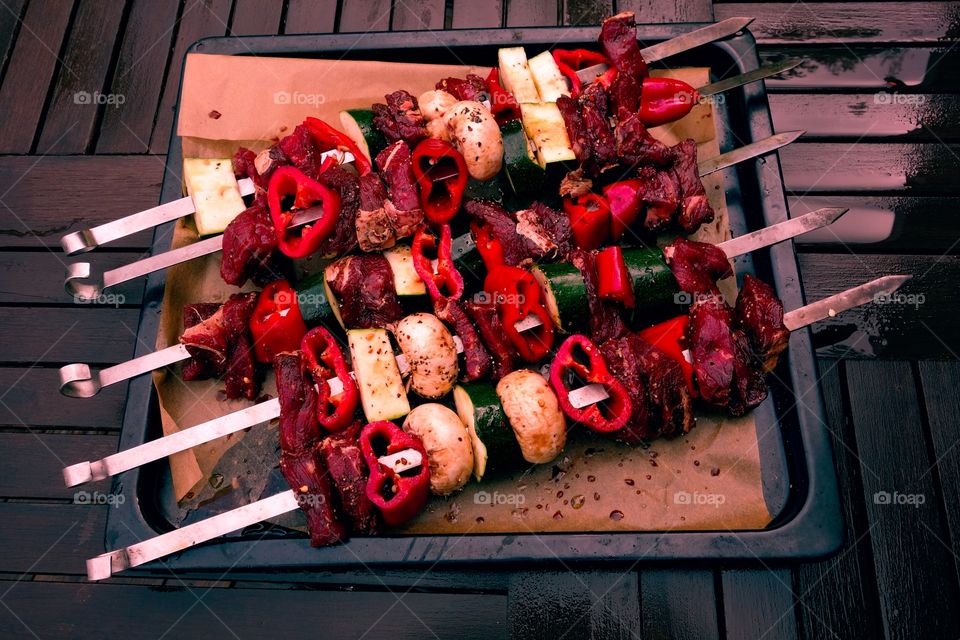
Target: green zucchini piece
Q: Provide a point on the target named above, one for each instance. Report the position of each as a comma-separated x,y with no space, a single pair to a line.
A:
313,300
524,174
358,125
654,286
495,448
565,295
382,393
405,278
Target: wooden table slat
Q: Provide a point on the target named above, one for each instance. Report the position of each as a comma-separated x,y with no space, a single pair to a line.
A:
256,17
535,13
678,604
655,12
45,272
34,463
364,15
413,15
24,389
758,603
9,26
68,334
78,94
309,16
470,14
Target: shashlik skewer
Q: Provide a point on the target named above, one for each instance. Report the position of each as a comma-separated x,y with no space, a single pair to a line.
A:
105,565
82,283
163,447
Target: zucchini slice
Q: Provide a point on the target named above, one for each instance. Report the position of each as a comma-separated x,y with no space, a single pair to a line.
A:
216,195
524,174
654,286
332,298
546,75
494,446
358,125
564,294
545,127
405,278
314,300
515,74
382,394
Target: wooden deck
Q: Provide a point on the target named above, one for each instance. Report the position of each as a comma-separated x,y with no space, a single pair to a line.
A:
879,95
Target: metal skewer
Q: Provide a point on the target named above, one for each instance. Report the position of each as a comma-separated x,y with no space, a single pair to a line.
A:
105,565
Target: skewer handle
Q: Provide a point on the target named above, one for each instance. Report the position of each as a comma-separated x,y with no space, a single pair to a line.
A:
78,381
89,239
105,565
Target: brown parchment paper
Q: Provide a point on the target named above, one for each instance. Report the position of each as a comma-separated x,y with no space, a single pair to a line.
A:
709,479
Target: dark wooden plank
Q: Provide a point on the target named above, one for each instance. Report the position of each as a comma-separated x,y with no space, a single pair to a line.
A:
906,529
918,322
364,15
922,169
678,604
848,22
308,16
417,16
46,197
78,96
70,334
654,12
71,610
33,463
554,604
200,18
840,593
532,13
585,12
884,224
31,68
929,117
469,14
256,17
51,538
139,77
873,68
24,390
10,18
939,383
36,277
758,603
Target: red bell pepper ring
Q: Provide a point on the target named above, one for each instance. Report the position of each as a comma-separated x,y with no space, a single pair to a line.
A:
446,282
606,416
664,100
287,182
589,216
625,199
670,337
439,199
569,61
503,105
488,245
613,277
516,294
325,360
329,138
276,324
399,497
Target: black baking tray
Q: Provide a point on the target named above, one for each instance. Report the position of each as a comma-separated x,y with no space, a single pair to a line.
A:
797,465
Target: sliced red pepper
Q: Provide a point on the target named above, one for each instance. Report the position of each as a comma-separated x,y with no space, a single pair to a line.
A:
670,337
398,496
589,216
613,277
503,105
276,324
517,295
325,360
606,416
569,61
329,138
290,182
446,282
439,198
488,245
664,100
625,199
